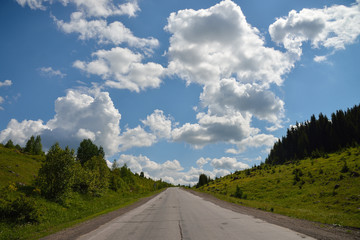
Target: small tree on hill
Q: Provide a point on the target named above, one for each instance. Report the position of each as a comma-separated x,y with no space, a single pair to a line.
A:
203,180
87,150
34,146
56,174
9,144
29,148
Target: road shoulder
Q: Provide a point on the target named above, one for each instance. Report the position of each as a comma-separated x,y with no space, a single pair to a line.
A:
92,224
312,229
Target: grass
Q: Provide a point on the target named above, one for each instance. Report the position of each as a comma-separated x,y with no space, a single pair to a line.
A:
17,174
56,217
18,168
321,189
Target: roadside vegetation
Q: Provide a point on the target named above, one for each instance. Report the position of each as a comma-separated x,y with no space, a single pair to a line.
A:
44,193
312,173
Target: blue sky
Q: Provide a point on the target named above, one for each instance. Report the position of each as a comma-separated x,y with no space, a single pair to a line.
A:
174,88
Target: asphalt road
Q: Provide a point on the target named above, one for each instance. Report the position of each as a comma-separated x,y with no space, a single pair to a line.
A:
177,214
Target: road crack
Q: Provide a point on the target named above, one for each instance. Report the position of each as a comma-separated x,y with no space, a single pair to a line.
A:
181,233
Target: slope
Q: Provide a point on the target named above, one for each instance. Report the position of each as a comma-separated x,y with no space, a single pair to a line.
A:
325,189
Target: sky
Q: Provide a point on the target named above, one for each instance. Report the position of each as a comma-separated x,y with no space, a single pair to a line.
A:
174,88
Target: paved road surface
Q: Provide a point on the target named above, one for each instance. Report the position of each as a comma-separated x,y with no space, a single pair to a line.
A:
177,214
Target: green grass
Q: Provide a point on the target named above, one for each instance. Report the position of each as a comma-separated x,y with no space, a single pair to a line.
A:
322,193
16,167
56,217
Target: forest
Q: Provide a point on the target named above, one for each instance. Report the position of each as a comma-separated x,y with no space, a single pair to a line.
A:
317,137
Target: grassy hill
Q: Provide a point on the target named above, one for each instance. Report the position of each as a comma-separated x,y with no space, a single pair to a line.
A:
325,189
16,167
26,214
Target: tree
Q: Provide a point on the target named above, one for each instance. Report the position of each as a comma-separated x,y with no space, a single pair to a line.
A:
56,175
86,151
34,146
29,148
9,144
99,174
203,180
37,148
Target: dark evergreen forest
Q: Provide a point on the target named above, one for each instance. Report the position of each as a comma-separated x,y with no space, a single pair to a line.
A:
318,136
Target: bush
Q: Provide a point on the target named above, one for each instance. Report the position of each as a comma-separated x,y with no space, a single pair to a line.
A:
19,210
239,193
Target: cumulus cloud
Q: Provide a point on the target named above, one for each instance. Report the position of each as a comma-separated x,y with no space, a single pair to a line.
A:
228,163
252,98
213,128
50,72
136,137
20,132
202,161
124,68
256,141
78,115
115,32
330,27
173,172
218,49
159,124
215,43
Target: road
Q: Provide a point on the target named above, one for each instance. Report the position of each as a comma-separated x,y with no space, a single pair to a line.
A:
177,214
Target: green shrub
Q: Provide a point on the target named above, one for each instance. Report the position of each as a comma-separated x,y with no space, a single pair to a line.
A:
19,210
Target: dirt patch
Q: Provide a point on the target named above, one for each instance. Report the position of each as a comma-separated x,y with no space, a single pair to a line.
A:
90,225
312,229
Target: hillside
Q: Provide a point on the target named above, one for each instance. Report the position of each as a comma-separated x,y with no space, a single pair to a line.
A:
16,167
324,189
28,211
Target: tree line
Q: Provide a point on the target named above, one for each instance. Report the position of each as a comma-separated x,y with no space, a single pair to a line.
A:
85,171
33,146
318,136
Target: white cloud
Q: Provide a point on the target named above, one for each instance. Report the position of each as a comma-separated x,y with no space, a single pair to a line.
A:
173,172
115,32
90,114
213,128
136,137
320,58
20,132
228,163
159,124
105,8
50,72
210,44
33,4
251,98
218,49
92,8
202,161
6,83
125,68
256,141
331,27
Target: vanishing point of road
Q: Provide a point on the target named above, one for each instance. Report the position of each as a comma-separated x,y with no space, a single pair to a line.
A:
177,214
